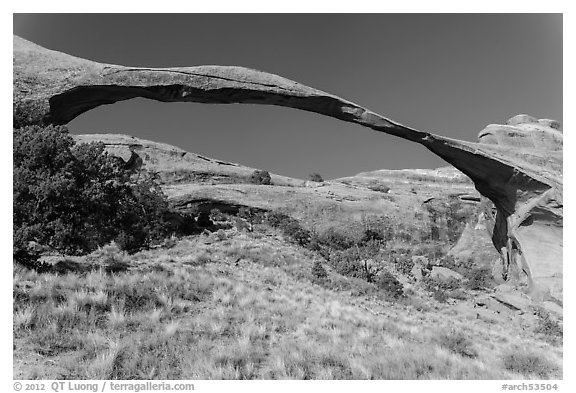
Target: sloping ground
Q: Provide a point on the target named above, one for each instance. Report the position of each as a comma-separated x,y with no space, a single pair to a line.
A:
247,306
174,165
199,184
442,182
522,179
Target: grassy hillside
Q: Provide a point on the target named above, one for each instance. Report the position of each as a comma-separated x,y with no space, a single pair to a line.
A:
344,279
250,305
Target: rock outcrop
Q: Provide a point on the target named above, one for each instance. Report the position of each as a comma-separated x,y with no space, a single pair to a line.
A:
518,167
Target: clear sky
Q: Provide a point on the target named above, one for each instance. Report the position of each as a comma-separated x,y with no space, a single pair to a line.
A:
449,74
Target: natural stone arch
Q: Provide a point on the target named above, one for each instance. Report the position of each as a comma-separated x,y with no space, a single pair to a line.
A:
524,184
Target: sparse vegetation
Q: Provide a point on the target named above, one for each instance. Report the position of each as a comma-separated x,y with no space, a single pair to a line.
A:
390,284
527,363
318,271
548,327
261,177
458,343
192,312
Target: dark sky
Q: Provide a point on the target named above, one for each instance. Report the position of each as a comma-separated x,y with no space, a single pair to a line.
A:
449,74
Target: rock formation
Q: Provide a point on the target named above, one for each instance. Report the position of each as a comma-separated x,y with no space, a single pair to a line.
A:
518,166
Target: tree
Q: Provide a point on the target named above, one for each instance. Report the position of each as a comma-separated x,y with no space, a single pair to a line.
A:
75,198
318,271
316,177
261,177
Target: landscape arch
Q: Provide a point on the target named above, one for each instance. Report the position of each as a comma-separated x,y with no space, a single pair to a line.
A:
524,184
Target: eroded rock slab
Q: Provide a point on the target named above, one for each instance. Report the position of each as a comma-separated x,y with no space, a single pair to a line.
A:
517,166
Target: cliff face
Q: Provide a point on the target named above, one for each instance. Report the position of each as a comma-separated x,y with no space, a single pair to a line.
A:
518,166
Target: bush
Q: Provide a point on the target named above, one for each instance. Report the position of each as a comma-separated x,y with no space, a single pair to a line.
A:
109,256
528,363
479,278
75,198
371,235
217,215
379,187
334,239
440,296
390,284
403,263
549,328
290,227
261,177
275,218
316,177
348,263
296,232
459,344
318,271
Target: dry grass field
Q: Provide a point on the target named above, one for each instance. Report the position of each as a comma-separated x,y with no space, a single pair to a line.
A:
239,305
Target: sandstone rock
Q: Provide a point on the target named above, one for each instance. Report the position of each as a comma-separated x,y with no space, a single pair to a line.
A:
417,272
313,184
475,244
551,307
444,274
524,136
506,287
521,119
519,170
550,123
420,260
513,299
493,305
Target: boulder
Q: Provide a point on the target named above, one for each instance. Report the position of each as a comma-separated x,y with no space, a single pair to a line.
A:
444,274
513,299
416,272
521,119
420,260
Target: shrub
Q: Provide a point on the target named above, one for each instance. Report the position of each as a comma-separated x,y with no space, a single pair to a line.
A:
316,177
249,217
371,235
479,278
403,263
440,296
379,187
379,226
109,256
296,232
217,215
528,363
459,344
241,225
318,271
261,177
549,328
390,284
347,263
334,239
275,218
289,226
75,198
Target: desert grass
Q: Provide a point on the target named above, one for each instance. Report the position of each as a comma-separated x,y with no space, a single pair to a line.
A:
247,308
